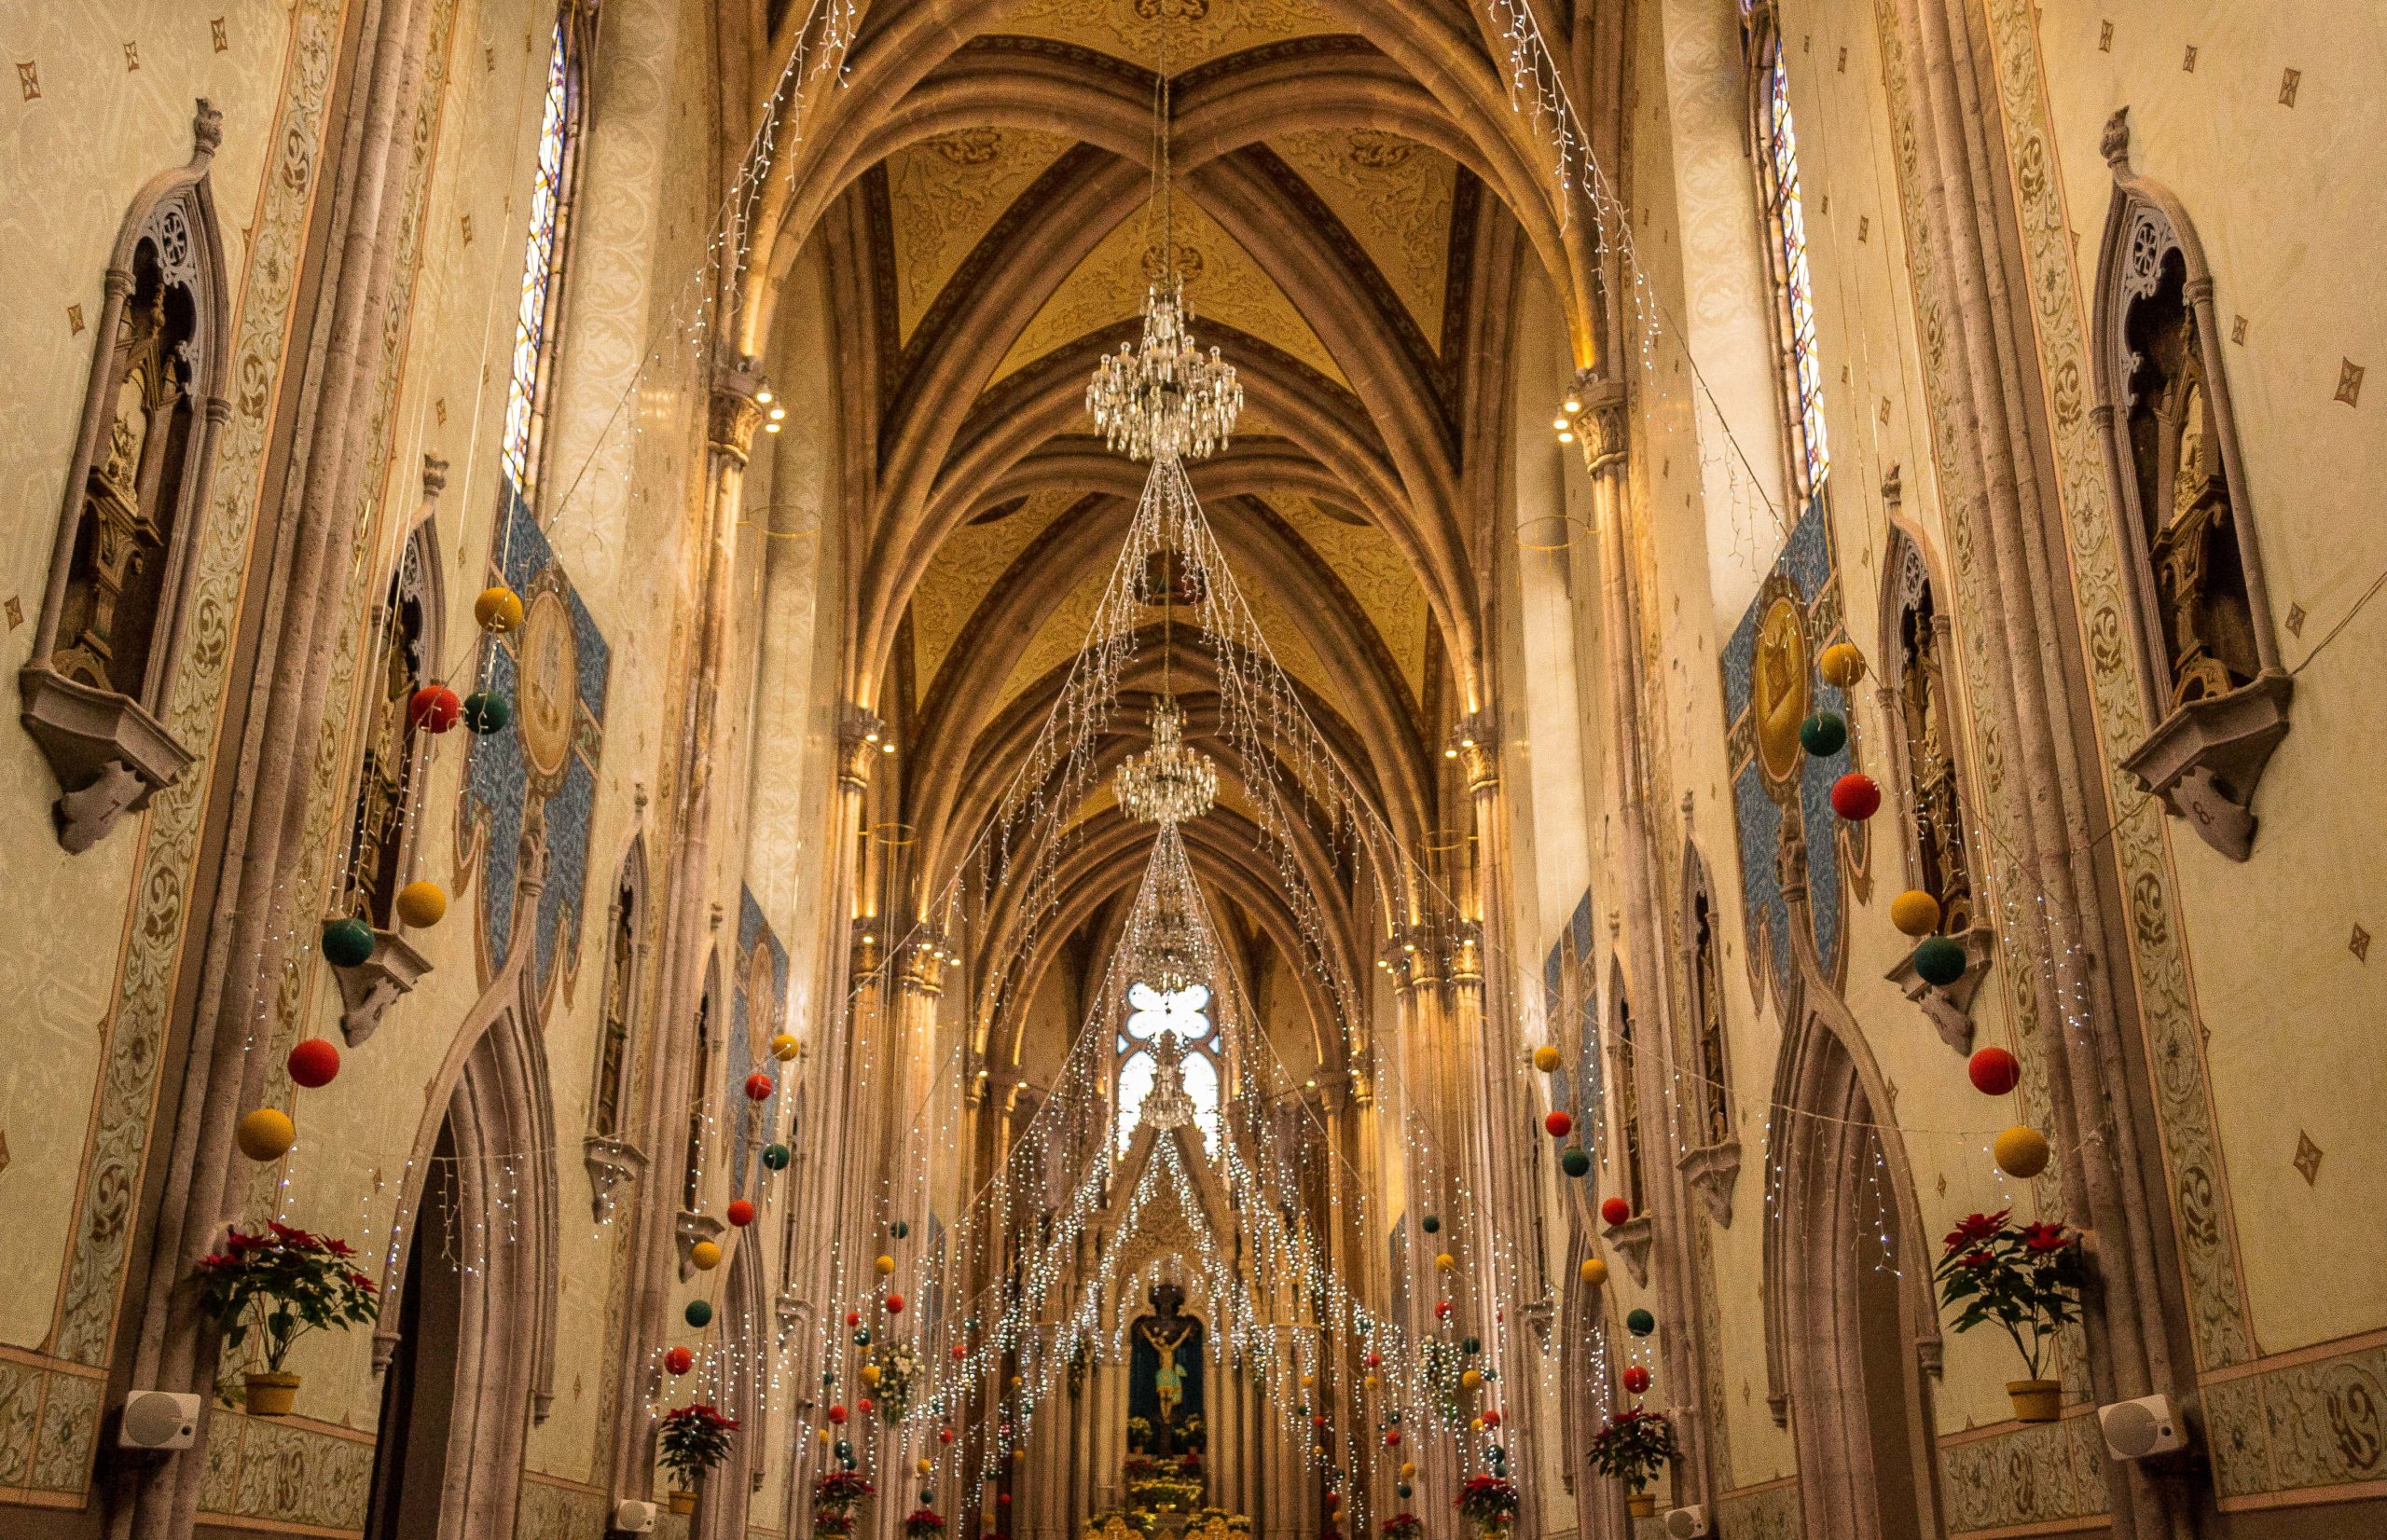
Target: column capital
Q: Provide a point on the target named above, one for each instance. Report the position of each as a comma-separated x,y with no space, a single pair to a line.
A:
861,739
737,408
1600,426
1475,743
920,968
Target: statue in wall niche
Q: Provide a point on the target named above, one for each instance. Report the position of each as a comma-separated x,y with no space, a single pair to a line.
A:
1942,869
386,771
2206,620
116,578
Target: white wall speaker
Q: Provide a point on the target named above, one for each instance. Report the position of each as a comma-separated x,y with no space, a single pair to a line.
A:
632,1517
1688,1524
158,1419
2135,1429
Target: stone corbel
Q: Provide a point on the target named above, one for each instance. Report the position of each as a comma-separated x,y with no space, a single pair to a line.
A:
372,986
109,755
690,1229
611,1163
1712,1171
1631,1241
1949,1006
1537,1317
2206,757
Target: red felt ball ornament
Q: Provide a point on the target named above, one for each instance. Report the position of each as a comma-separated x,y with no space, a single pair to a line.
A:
961,1352
1558,1124
1392,1438
853,1317
1637,1380
837,1414
1994,1071
1855,796
1442,1309
759,1088
435,708
314,1063
894,1304
741,1213
865,1406
679,1360
944,1435
1376,1360
1615,1211
1492,1418
1003,1499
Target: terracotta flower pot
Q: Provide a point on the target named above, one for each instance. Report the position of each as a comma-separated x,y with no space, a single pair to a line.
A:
2035,1400
270,1393
1642,1505
682,1502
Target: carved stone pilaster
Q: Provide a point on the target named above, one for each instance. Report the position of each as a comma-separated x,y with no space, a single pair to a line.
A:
736,412
862,741
380,981
612,1163
1711,1172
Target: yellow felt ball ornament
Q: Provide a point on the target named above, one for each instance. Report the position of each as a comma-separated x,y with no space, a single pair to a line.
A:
1476,1424
704,1255
1308,1380
1372,1381
266,1134
2021,1153
1594,1272
499,609
1470,1379
886,1265
784,1047
1840,664
1545,1058
1408,1470
924,1465
421,904
1444,1262
1915,912
870,1374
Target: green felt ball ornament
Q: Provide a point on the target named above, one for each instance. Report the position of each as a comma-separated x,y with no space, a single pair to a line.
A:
775,1157
697,1314
844,1450
1430,1224
898,1229
1472,1345
486,712
1940,960
1575,1161
1640,1323
1823,734
861,1337
348,941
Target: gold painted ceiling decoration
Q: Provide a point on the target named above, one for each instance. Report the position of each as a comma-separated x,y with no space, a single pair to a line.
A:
947,192
1199,30
1395,196
964,572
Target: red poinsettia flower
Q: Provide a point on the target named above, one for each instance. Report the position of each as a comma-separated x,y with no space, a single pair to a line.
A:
2045,1238
1976,1258
1975,1227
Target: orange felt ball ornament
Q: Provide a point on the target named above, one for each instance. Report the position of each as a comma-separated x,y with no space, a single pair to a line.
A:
314,1063
740,1213
1855,796
1994,1071
1558,1124
679,1360
1616,1211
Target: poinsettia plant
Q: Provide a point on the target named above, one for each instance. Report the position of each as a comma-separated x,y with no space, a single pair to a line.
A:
2025,1278
923,1524
840,1492
1489,1501
274,1285
1634,1445
694,1440
1403,1526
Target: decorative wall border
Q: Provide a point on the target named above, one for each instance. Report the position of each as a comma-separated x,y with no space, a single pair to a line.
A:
2312,1424
2008,1475
290,1473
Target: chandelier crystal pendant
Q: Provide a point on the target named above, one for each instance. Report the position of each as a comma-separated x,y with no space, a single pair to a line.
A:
1170,783
1165,399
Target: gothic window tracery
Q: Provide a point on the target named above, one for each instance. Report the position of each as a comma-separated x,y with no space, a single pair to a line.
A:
699,1070
1785,218
1184,1016
538,311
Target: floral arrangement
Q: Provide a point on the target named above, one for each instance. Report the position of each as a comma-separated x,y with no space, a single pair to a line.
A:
840,1492
1193,1434
276,1284
1139,1433
898,1363
1403,1526
1443,1364
1168,1485
1634,1445
2026,1278
923,1523
1489,1501
694,1440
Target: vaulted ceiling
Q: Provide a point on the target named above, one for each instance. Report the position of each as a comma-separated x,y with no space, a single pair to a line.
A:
1355,201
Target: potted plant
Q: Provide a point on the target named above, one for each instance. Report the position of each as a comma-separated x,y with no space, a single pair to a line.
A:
840,1492
694,1440
2027,1279
1403,1526
1489,1503
923,1523
1634,1445
268,1289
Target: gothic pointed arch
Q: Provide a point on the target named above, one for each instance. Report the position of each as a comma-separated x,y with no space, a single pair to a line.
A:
115,613
2215,692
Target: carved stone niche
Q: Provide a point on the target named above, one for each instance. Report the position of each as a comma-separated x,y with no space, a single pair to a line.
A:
369,988
1949,1007
690,1228
1632,1240
1711,1172
2198,608
103,659
611,1163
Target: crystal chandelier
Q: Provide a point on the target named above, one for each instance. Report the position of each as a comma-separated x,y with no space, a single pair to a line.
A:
1165,399
1169,954
1170,783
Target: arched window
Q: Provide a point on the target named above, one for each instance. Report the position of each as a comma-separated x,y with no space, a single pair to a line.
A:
1785,227
1185,1013
621,985
1628,1102
537,316
402,647
95,684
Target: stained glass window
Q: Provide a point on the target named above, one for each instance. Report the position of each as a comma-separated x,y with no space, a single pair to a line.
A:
1789,221
541,261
